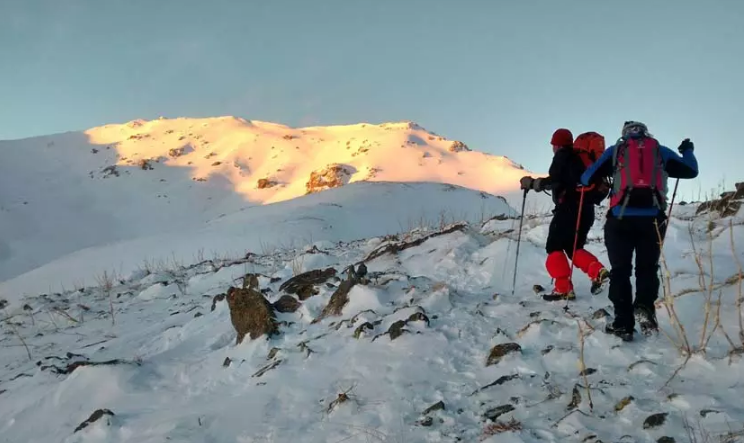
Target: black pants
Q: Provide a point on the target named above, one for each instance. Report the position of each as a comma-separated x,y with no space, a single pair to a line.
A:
563,228
622,238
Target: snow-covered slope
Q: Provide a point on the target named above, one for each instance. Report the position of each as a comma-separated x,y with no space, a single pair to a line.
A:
347,213
413,355
63,193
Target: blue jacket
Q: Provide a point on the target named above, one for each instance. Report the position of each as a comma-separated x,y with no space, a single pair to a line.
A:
674,166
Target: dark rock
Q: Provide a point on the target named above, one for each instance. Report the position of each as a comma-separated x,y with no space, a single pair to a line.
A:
287,303
458,146
267,368
600,313
546,350
438,406
198,314
494,413
419,316
739,190
250,313
426,422
500,381
655,420
396,329
575,398
3,303
303,284
250,281
361,270
538,289
499,351
340,297
308,291
218,297
75,361
264,183
727,205
227,362
272,353
587,371
177,152
27,307
666,440
94,417
704,413
366,326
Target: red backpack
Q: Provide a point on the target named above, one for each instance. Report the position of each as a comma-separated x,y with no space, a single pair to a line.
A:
590,146
638,179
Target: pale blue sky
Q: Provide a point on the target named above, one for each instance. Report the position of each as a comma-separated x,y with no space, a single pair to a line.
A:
499,75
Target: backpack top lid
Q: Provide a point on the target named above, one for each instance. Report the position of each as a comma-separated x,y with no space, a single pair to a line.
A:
589,146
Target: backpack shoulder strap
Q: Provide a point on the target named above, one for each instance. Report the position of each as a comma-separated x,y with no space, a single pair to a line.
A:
658,168
628,174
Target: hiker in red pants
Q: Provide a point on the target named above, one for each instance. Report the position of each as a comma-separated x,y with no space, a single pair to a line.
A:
573,214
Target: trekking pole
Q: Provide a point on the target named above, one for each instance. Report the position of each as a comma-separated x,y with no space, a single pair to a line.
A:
669,214
576,234
519,238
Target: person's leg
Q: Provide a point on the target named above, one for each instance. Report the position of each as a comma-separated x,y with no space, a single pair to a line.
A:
585,260
650,231
620,244
557,264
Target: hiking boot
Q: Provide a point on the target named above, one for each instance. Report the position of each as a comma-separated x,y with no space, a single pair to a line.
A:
558,296
599,283
646,319
625,333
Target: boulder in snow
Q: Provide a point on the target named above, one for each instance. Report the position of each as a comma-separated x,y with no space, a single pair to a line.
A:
304,284
500,351
265,183
458,146
332,176
94,417
250,313
287,303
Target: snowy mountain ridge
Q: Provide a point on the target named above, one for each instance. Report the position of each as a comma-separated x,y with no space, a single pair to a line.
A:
124,182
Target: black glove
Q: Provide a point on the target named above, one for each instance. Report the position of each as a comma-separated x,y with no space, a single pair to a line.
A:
686,145
526,182
538,185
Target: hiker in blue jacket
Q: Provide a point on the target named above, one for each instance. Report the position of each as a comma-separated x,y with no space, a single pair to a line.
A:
637,221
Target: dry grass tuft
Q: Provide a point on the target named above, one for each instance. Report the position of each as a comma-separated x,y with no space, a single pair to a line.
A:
500,427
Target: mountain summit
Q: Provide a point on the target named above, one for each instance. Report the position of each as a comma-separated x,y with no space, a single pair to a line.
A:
269,162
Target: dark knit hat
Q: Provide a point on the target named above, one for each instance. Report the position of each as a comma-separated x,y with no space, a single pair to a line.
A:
562,137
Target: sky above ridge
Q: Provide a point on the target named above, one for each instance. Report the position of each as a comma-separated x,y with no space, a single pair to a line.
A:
498,75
